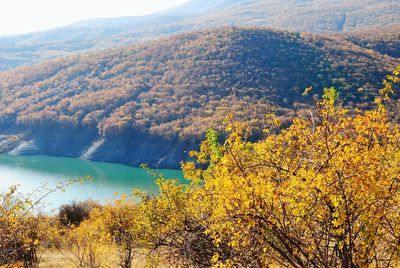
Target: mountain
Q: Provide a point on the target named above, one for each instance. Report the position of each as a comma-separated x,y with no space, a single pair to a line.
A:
296,15
306,15
199,7
150,102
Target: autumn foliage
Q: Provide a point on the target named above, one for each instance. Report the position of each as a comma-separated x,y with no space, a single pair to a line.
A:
324,192
177,87
21,232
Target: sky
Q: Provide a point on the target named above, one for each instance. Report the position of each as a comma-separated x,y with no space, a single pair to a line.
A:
22,16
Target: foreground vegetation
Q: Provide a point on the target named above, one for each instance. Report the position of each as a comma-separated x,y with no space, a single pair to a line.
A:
324,192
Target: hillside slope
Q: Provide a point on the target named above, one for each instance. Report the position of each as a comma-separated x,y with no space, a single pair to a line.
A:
385,40
152,101
297,15
307,15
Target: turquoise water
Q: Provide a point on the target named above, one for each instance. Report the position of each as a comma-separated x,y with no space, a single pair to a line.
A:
108,180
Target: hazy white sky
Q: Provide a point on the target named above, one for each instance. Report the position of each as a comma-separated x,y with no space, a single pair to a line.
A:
20,16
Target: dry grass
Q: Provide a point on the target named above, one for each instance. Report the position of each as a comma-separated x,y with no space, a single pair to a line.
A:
57,259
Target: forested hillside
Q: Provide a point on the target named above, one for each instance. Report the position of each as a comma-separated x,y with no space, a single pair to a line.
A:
296,15
385,40
175,88
307,15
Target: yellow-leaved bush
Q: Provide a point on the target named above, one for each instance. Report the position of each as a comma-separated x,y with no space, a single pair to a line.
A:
21,231
24,231
322,193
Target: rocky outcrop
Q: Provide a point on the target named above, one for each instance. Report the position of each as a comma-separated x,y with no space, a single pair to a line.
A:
8,143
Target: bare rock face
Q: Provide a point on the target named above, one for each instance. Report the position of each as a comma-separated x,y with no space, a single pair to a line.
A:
134,150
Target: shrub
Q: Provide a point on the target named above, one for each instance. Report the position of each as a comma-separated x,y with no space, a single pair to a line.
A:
21,231
76,212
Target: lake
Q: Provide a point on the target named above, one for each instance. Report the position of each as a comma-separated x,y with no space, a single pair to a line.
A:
108,180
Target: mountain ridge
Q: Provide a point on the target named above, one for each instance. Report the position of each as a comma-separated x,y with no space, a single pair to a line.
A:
309,16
